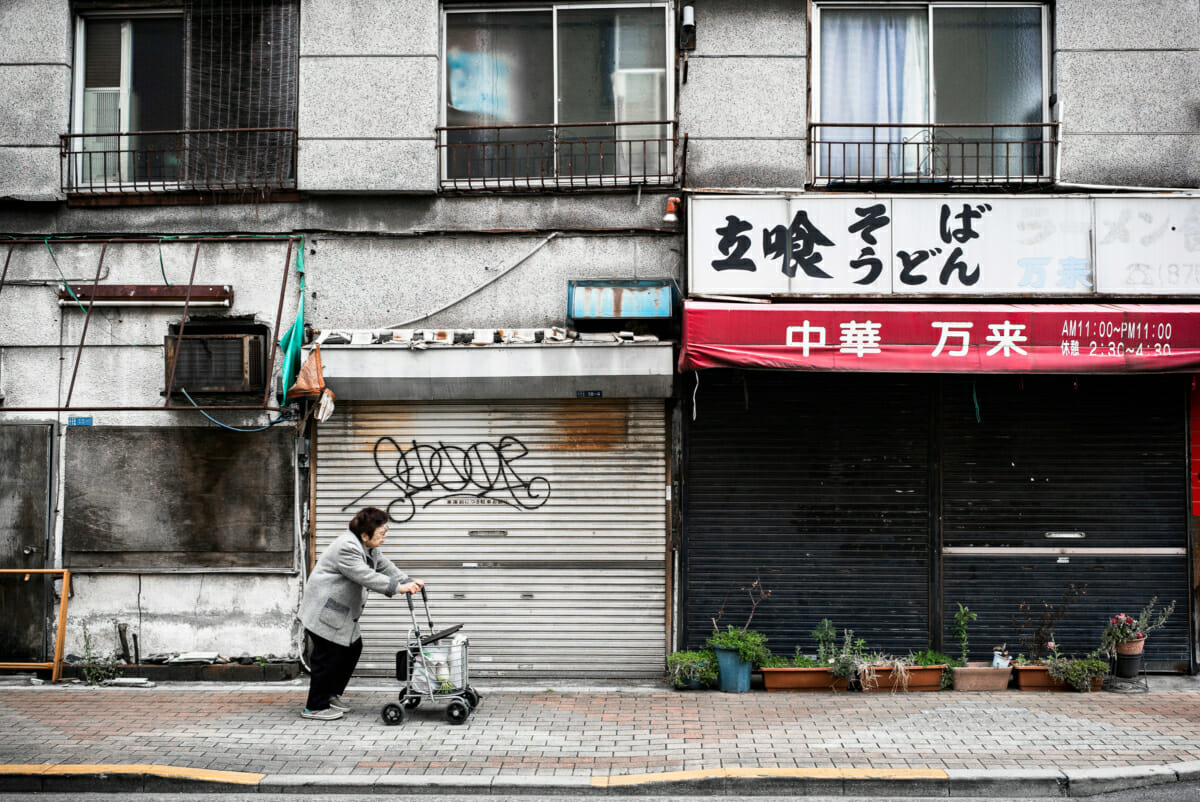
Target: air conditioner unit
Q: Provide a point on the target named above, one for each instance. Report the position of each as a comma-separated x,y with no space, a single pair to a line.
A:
217,363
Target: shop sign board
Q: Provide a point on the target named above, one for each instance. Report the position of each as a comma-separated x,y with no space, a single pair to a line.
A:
941,246
942,338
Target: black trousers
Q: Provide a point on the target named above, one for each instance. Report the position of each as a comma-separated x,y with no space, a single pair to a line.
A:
330,666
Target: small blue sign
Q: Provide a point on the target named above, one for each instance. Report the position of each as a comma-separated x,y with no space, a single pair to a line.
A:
589,393
79,421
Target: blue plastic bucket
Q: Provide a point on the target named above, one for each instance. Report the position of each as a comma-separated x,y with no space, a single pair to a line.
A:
733,673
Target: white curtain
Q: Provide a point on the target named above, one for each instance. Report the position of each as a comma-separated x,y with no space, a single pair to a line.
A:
874,70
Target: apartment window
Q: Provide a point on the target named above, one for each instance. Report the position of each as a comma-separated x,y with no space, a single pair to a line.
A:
201,97
931,92
559,95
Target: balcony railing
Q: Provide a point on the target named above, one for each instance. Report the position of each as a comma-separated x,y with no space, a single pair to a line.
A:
950,153
201,160
549,156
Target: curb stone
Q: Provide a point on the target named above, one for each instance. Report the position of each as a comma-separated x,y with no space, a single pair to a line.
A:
980,783
989,783
1087,782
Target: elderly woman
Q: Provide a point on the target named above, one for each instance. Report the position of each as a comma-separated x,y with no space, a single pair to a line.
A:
333,601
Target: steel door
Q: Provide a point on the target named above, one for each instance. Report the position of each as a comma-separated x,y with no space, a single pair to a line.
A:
24,525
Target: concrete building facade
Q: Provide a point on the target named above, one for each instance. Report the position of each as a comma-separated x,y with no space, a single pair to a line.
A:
412,183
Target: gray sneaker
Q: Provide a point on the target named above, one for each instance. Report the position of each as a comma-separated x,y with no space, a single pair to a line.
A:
337,703
328,714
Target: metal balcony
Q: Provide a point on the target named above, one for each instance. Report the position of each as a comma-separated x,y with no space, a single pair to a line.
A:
222,160
557,156
957,154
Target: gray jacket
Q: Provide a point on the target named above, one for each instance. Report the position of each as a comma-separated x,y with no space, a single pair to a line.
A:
337,588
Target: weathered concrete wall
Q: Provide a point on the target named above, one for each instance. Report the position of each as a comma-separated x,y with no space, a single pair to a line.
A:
744,105
368,95
1128,83
375,282
35,96
229,614
123,362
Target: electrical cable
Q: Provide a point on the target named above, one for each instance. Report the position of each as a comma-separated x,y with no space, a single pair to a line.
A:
278,420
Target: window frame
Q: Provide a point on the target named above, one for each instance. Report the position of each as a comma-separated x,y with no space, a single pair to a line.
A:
554,6
931,93
79,67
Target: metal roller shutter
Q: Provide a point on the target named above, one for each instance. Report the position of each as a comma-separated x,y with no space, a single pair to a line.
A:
538,525
1095,465
818,484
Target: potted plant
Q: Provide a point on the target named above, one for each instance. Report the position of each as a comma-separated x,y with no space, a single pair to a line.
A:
802,673
1036,637
919,671
739,650
1124,637
976,676
692,669
1081,673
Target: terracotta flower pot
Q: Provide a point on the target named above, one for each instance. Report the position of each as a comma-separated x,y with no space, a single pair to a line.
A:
801,679
981,677
1136,646
1037,678
920,678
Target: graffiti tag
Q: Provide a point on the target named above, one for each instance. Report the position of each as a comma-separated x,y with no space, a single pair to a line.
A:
447,472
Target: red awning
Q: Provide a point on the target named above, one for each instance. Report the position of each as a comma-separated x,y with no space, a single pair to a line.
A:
943,338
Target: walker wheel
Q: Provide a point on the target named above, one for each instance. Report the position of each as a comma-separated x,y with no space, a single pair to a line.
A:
457,712
472,697
410,702
392,714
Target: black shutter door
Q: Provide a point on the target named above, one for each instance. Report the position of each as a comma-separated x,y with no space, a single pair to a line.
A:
1095,465
819,485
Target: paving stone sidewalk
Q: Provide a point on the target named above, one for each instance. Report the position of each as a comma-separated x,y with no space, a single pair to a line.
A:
590,734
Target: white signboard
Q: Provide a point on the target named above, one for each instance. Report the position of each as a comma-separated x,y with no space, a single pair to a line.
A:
825,245
1148,246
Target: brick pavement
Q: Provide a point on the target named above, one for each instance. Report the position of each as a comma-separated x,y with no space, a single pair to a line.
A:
597,734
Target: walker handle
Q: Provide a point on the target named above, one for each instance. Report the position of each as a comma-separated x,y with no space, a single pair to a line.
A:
425,601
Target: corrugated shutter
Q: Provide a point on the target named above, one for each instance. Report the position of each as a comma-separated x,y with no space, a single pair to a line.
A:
538,525
819,485
1051,462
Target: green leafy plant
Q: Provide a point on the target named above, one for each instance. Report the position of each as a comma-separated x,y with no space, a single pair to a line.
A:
797,660
826,637
750,644
1078,672
1034,633
95,670
930,657
692,666
852,655
962,622
1122,628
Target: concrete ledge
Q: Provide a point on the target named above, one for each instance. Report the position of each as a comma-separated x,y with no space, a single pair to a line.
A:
1186,771
122,778
541,784
1007,782
745,782
465,784
316,784
1088,782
